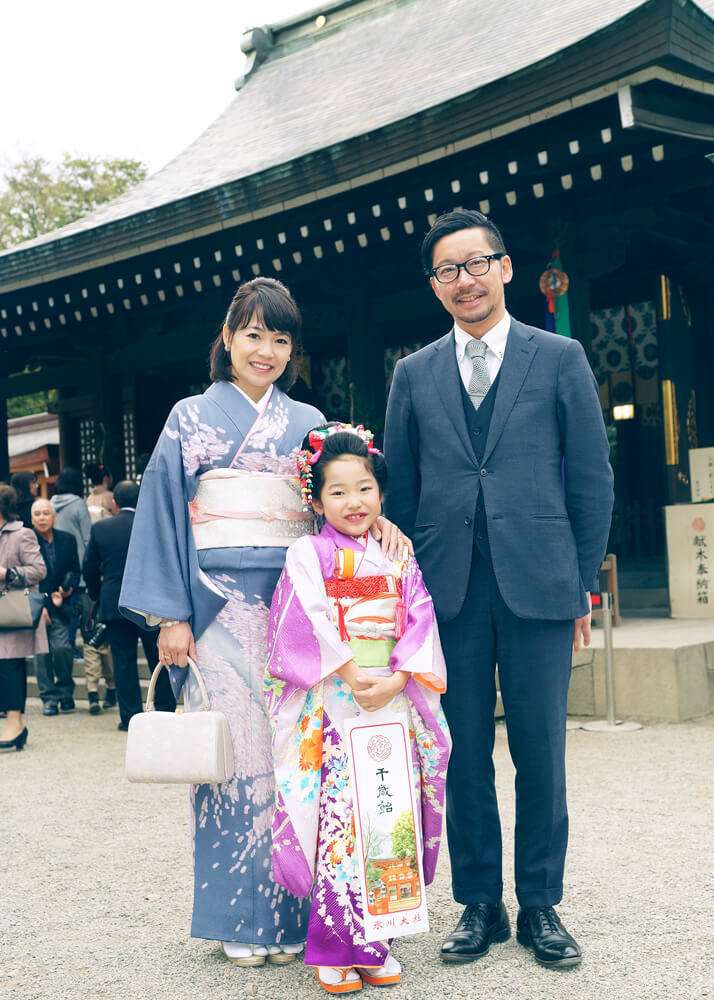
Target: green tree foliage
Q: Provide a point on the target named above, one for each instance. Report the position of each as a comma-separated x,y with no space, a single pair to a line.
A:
34,402
404,837
37,197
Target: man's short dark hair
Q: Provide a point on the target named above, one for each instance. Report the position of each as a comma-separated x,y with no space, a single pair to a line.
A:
454,222
126,493
70,481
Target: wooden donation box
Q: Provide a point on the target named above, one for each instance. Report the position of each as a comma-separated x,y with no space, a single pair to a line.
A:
690,557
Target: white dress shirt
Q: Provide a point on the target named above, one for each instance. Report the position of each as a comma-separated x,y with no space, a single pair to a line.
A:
495,341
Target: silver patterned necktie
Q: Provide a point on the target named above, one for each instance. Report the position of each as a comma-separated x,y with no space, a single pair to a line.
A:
480,382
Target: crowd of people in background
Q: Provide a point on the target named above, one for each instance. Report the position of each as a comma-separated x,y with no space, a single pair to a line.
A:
71,549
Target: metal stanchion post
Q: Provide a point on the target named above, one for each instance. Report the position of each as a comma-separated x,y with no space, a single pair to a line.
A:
610,724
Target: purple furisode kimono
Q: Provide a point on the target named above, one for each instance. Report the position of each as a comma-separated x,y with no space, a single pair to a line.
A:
218,506
340,598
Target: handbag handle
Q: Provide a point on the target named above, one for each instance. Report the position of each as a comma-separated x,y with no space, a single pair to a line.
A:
149,707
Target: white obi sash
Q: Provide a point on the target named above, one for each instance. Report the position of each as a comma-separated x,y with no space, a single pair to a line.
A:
233,508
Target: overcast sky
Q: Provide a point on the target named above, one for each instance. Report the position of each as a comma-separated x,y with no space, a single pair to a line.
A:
140,78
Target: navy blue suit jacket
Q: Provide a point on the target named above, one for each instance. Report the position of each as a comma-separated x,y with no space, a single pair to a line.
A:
104,562
545,475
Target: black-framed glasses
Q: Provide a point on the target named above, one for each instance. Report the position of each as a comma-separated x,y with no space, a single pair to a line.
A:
475,266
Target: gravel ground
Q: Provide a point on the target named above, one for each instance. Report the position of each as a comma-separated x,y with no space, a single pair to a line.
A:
95,882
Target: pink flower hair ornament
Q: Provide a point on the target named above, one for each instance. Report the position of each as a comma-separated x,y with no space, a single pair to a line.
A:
306,458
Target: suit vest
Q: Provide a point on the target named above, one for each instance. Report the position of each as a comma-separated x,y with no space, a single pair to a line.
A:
478,423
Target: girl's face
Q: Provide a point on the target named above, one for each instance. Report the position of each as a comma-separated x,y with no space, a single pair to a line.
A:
258,356
350,499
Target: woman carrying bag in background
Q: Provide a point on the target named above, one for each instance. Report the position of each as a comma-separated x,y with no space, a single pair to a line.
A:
21,567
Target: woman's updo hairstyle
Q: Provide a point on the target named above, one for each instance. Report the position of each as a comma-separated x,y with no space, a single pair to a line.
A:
270,302
96,473
339,444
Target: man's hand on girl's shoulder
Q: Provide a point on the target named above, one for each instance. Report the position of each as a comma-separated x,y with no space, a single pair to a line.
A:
394,542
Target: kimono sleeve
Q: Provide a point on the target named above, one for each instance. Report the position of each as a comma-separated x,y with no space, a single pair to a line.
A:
162,572
418,650
304,646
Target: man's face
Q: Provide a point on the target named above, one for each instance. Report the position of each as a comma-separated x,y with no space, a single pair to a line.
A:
43,516
471,300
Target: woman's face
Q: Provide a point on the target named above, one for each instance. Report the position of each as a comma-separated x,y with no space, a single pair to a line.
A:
258,356
34,487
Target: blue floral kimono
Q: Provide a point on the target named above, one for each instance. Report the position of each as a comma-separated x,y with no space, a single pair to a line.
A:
218,506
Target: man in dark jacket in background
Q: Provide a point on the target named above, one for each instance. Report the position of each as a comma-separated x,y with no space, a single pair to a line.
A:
103,569
59,550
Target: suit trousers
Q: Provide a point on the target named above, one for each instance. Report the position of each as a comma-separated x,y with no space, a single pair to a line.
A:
54,669
98,663
534,663
123,638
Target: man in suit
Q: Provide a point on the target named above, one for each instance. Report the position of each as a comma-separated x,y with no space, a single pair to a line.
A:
498,468
103,569
59,550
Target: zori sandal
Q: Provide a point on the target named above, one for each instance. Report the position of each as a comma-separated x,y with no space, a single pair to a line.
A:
283,955
388,974
244,955
338,980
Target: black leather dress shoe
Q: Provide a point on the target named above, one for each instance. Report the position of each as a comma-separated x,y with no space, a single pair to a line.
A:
481,925
540,928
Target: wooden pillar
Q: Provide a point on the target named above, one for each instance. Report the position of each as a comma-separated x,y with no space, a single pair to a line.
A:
110,411
4,442
677,374
576,267
701,303
365,359
579,305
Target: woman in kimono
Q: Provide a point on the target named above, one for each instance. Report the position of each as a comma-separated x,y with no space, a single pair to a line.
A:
348,627
219,504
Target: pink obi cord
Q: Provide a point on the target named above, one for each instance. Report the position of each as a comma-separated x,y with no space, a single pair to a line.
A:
199,516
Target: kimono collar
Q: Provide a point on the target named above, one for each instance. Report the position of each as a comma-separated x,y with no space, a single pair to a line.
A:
372,554
344,541
262,404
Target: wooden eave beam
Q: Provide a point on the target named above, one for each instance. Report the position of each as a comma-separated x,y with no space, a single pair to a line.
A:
642,39
665,109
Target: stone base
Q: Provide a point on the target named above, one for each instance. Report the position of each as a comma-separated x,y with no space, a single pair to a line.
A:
664,671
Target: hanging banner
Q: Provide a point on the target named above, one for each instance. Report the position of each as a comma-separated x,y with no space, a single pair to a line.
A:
387,826
554,283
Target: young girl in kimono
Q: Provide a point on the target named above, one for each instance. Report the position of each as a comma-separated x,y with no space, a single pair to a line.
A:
348,628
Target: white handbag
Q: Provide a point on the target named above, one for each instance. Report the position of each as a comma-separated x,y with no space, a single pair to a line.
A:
179,748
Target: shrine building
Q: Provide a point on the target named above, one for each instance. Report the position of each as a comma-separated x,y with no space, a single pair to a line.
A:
580,127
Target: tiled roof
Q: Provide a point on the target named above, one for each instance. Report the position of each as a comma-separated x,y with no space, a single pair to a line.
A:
375,62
